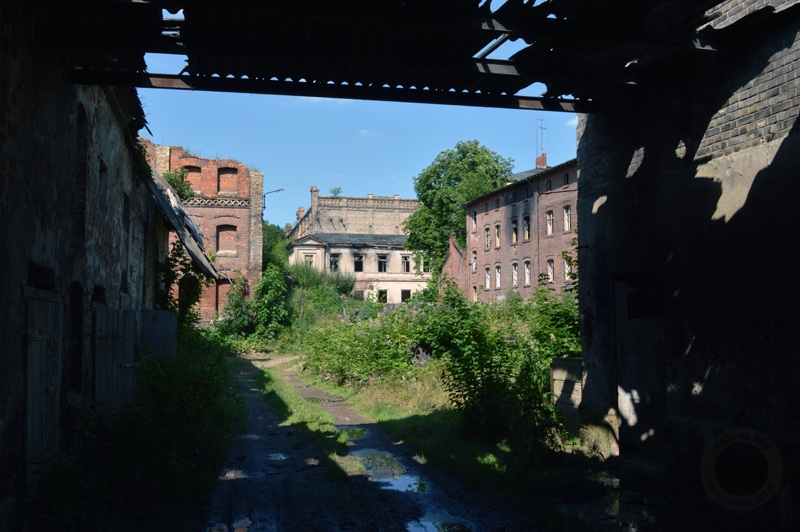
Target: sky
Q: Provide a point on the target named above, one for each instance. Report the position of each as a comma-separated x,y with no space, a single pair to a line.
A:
363,147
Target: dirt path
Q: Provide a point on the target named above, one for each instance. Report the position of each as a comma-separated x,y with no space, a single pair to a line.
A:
276,479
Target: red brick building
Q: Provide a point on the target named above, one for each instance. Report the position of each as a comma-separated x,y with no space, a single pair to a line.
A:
517,233
227,207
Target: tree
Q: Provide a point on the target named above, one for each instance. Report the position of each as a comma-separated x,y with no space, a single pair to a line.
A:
274,245
335,191
455,177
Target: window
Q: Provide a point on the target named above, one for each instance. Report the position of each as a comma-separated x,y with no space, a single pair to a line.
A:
226,239
383,260
526,227
488,236
566,179
334,265
383,296
488,282
474,221
567,219
549,185
514,197
308,259
549,224
358,263
567,270
405,295
497,203
475,293
527,273
474,261
405,263
497,277
497,236
514,275
514,231
551,271
226,181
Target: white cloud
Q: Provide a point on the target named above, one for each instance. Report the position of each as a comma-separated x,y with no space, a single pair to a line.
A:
367,133
572,122
337,176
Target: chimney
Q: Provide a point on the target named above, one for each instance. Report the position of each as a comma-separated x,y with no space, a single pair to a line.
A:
300,212
315,200
541,161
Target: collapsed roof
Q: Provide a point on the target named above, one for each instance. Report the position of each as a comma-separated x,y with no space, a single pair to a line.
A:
429,51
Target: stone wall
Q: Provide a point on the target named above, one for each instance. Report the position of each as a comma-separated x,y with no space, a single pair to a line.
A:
81,235
687,291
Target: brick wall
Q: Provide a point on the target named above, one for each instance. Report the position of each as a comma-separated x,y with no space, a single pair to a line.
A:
686,195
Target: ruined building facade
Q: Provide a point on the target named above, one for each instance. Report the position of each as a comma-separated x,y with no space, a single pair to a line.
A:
516,234
227,208
362,236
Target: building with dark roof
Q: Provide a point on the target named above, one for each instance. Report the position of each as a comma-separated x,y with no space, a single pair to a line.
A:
517,233
362,236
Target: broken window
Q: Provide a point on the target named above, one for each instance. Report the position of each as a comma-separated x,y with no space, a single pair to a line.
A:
488,239
497,277
358,263
549,223
405,262
405,295
527,273
551,271
514,231
334,265
383,261
567,219
497,236
514,275
382,296
309,260
526,227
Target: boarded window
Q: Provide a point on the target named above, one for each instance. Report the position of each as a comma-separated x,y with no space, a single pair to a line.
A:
226,238
227,180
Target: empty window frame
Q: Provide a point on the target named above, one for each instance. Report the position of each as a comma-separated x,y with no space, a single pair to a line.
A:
567,270
514,231
474,218
383,296
551,271
334,262
475,293
567,219
488,282
383,262
487,239
358,262
497,278
514,274
474,261
527,277
405,264
405,295
497,236
526,227
308,260
549,223
566,179
497,203
549,185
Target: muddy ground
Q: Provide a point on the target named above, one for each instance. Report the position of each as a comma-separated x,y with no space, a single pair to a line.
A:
277,478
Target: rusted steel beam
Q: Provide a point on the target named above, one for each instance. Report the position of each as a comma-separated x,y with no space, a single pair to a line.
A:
216,84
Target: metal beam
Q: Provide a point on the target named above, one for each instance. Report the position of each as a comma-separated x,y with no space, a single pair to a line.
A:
216,84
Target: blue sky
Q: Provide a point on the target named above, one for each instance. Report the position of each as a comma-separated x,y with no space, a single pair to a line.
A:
361,146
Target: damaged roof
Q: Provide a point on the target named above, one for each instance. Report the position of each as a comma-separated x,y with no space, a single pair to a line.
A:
353,240
430,51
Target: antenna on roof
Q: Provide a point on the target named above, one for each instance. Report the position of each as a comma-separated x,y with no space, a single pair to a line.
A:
540,129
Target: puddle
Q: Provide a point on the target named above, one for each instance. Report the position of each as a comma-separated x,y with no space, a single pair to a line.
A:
438,523
277,456
385,470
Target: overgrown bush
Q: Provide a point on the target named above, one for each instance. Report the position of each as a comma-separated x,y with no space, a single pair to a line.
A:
133,469
178,275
